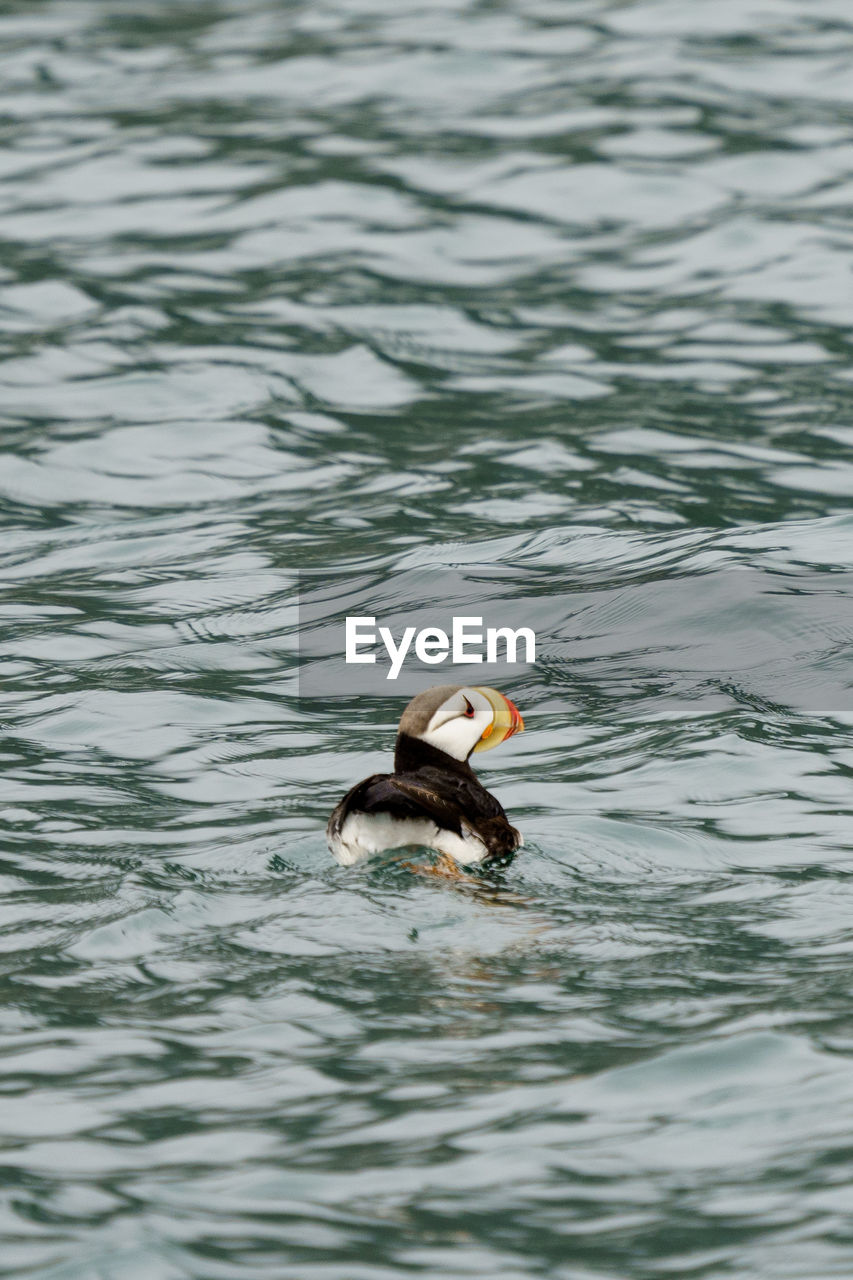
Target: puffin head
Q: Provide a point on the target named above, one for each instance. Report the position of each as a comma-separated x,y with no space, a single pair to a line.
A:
461,719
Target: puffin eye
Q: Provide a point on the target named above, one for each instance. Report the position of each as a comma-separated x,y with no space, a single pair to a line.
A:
469,710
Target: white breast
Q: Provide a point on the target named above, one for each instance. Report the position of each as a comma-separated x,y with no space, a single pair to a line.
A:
363,834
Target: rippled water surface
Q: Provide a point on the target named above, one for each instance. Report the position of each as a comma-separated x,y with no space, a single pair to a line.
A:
357,286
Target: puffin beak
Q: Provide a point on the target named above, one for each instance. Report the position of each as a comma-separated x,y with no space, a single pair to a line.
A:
507,719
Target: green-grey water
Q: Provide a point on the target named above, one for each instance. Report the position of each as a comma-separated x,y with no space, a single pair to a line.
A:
350,286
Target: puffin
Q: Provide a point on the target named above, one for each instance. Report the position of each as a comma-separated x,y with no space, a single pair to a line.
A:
433,799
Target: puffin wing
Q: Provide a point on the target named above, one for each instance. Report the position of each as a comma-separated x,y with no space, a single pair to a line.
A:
477,810
401,797
453,803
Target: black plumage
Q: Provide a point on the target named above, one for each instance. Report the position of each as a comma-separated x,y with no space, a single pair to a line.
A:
430,784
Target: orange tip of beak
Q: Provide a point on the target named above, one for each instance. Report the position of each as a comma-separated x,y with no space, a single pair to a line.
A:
516,721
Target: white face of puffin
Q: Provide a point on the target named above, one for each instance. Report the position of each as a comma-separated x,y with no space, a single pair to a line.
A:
472,719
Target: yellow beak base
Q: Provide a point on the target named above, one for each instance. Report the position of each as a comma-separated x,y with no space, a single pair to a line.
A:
507,719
